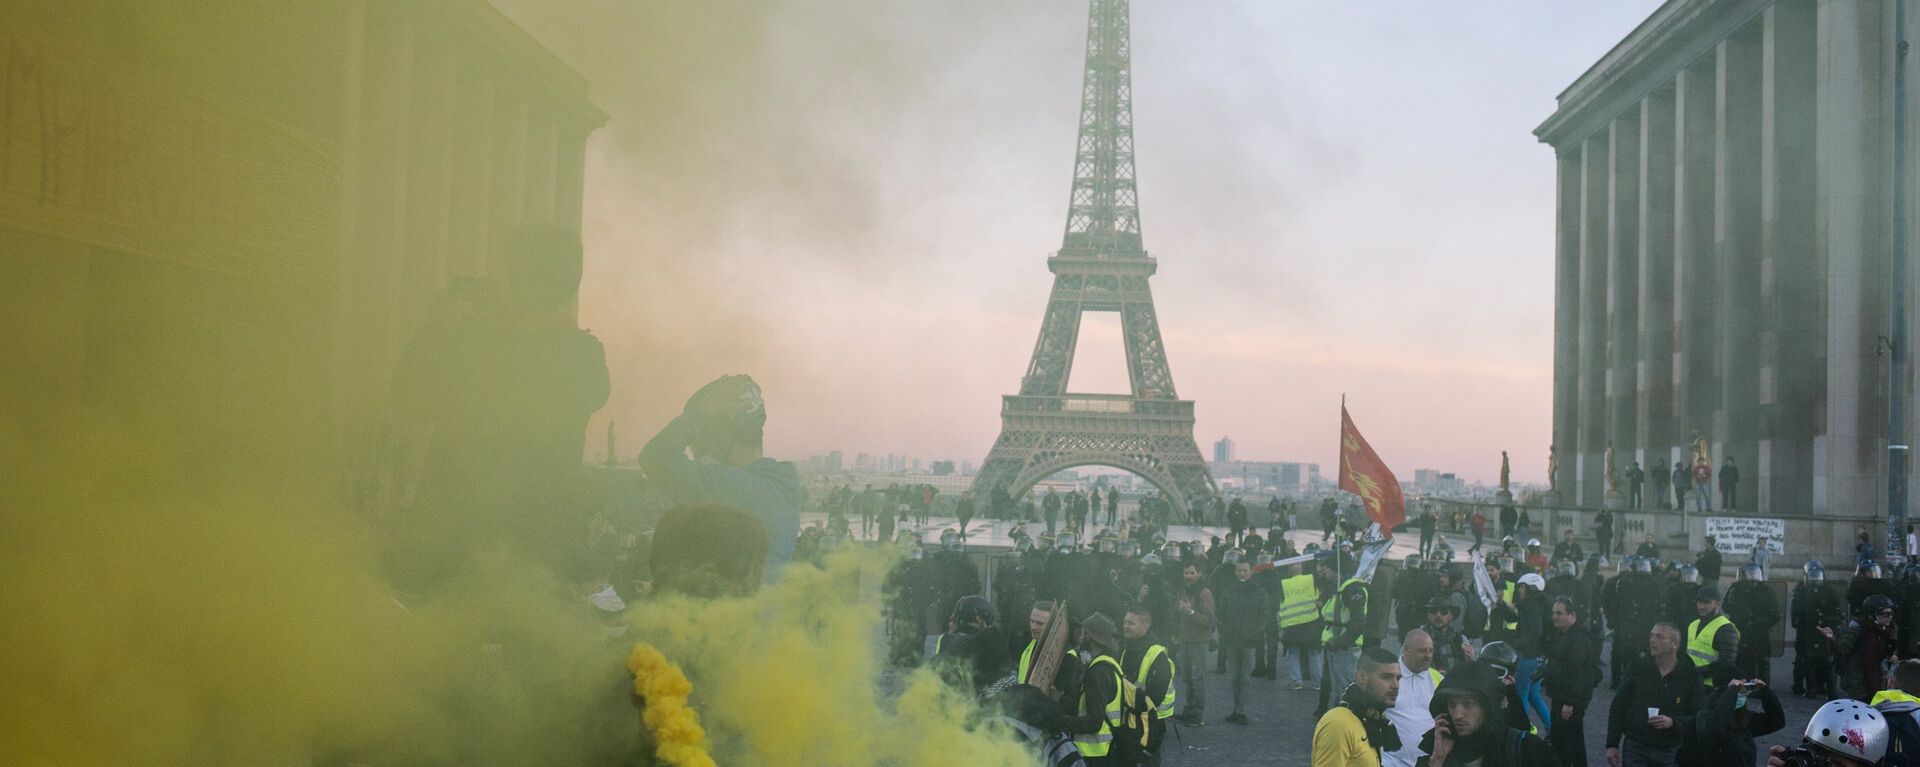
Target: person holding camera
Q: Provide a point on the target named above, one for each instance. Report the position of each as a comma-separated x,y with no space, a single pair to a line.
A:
1843,733
1734,709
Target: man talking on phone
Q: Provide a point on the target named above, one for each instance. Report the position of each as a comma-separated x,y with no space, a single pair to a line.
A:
1469,725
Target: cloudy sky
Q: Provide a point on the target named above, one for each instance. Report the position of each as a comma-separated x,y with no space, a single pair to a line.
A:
854,202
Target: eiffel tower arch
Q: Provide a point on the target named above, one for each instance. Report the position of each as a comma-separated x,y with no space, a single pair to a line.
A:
1101,266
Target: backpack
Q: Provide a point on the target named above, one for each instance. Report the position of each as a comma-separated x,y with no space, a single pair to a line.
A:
1903,739
1137,715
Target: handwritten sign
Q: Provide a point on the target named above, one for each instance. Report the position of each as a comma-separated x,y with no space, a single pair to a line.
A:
1739,534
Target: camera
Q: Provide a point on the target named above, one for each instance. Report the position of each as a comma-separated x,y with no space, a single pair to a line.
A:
1802,756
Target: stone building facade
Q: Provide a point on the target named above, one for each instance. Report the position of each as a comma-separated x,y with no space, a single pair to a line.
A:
1723,254
272,195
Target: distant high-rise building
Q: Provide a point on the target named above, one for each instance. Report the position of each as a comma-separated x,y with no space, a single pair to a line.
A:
834,459
1223,450
862,462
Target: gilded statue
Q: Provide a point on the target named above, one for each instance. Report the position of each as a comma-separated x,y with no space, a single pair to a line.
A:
1613,473
1553,469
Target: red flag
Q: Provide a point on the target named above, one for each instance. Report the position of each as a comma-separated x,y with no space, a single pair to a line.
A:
1364,474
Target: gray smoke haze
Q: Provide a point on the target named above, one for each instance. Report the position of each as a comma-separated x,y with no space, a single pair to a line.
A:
853,201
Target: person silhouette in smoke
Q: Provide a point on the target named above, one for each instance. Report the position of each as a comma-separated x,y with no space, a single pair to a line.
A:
505,379
722,426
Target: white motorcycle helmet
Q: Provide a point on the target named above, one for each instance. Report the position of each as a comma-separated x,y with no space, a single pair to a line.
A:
1849,728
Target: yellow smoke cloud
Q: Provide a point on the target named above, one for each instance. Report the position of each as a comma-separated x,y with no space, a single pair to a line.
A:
792,675
674,726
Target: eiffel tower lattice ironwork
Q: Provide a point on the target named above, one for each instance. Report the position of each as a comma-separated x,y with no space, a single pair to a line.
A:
1102,267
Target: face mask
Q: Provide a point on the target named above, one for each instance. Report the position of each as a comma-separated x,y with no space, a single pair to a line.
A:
1739,701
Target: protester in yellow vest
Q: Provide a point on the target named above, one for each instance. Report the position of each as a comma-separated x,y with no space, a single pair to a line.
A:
1344,617
1100,708
1299,618
1712,636
1901,707
1146,661
1067,678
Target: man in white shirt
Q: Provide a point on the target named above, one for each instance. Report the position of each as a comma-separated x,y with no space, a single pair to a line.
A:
1409,714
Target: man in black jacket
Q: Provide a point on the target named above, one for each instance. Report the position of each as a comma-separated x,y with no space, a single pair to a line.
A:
1729,485
1661,476
1816,611
1244,611
1709,563
1572,673
1750,604
1652,714
1467,725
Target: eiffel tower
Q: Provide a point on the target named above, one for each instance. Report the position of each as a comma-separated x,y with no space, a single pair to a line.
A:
1101,267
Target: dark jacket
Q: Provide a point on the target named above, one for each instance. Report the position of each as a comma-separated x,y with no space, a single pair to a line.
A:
1677,695
1723,733
1495,745
1450,646
1815,605
1244,611
1709,564
1862,647
1573,667
1536,621
1751,606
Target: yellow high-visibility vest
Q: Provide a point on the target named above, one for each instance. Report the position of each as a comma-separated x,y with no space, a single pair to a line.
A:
1096,744
1336,615
1026,660
1297,595
1700,639
1506,595
1164,709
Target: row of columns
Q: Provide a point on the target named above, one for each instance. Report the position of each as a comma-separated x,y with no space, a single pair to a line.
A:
1721,268
449,138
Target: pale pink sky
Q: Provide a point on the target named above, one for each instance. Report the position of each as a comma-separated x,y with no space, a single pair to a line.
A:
854,201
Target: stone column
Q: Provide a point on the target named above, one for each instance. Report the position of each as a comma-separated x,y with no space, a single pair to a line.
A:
1791,338
1566,318
1737,252
1594,174
1623,286
1657,434
1695,317
1849,201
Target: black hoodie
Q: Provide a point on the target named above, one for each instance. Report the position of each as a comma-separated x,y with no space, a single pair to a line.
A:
1495,745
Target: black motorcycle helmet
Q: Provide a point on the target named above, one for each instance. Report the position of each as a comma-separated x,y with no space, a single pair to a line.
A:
1501,655
972,611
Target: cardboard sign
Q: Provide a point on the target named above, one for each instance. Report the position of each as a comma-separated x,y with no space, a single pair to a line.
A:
1733,535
